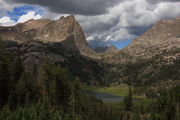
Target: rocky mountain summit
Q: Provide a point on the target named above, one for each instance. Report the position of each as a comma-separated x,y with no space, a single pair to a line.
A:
59,42
162,36
66,30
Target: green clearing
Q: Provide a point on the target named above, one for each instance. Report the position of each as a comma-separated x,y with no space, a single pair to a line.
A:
114,90
121,90
118,91
119,105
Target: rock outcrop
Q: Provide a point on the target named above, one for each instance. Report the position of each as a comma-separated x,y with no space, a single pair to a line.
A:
163,36
105,49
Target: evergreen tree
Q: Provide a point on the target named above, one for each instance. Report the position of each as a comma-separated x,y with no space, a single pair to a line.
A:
4,83
4,76
128,100
16,69
26,90
44,79
63,87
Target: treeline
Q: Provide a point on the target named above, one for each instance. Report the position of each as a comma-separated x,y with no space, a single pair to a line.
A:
161,68
47,93
166,106
151,72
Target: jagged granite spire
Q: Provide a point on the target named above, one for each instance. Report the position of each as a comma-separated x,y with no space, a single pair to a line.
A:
50,31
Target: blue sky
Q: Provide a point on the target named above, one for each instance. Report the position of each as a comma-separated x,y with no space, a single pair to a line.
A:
22,10
121,44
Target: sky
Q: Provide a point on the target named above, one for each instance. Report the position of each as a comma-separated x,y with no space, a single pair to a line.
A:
105,22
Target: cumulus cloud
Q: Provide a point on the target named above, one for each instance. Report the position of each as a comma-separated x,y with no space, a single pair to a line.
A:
28,16
6,21
127,20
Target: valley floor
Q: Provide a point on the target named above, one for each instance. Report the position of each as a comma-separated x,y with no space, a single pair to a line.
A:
118,94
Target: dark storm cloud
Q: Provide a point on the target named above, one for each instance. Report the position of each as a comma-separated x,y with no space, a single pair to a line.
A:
98,26
138,30
97,43
83,7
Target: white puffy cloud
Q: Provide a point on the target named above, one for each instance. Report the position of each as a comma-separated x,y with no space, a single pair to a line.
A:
90,38
127,20
6,21
142,13
120,34
28,16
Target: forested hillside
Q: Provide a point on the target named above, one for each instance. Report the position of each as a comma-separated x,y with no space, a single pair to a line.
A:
161,69
51,93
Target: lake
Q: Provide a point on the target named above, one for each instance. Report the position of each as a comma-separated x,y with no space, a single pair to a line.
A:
106,97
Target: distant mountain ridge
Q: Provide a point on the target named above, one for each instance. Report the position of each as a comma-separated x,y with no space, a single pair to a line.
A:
163,36
151,60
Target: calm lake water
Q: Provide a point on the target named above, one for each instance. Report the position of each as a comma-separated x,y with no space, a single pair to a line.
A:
106,97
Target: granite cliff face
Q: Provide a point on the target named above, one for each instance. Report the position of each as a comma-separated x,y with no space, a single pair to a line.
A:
105,49
66,30
59,42
163,36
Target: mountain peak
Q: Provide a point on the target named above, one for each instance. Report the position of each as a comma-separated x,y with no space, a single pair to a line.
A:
71,17
68,18
50,31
